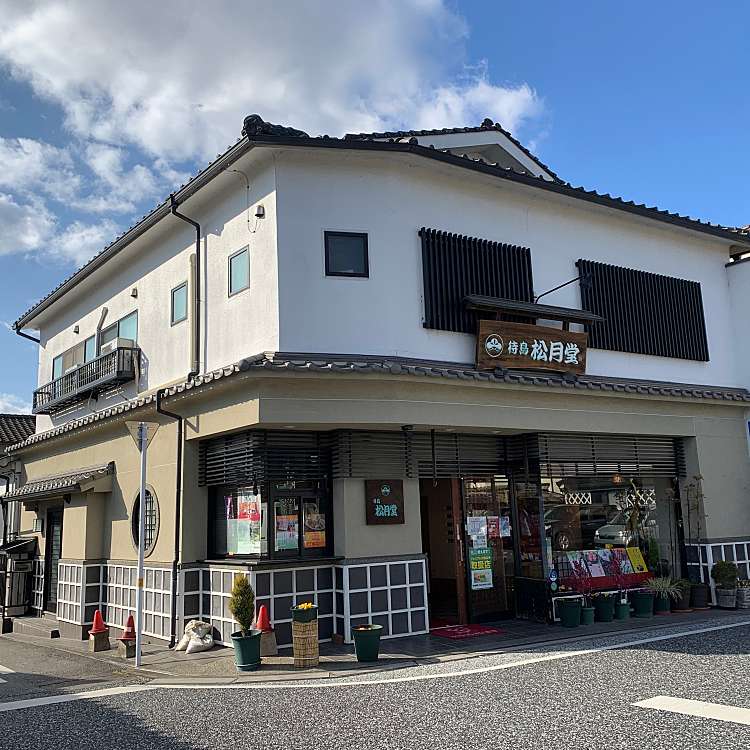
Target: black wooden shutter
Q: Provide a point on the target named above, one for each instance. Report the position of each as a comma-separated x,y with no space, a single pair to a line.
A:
454,266
645,313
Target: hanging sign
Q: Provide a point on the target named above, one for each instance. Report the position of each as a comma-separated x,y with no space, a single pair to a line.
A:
480,567
519,345
384,501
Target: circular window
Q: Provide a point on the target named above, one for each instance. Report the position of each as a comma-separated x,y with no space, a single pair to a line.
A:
151,520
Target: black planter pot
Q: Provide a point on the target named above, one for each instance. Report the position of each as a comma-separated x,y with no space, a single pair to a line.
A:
699,596
683,603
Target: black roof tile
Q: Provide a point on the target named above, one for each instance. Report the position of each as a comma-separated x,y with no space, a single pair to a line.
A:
16,427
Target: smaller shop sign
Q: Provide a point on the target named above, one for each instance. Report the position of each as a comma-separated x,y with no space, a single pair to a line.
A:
519,345
384,501
480,568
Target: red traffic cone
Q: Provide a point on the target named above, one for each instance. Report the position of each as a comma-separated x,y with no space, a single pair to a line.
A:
129,634
99,626
262,622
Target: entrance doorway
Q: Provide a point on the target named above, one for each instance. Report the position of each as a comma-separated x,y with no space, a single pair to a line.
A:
467,535
52,555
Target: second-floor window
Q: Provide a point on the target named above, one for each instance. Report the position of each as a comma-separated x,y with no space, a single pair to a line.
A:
77,355
239,271
179,303
125,328
347,254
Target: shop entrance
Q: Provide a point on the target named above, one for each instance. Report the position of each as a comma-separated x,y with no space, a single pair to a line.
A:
468,539
53,552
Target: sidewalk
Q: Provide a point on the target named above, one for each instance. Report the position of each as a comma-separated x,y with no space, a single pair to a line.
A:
217,665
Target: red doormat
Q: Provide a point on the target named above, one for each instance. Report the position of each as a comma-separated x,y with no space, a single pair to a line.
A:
460,632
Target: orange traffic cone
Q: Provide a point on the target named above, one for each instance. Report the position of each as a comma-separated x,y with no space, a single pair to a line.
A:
99,626
129,634
99,634
268,645
126,645
262,622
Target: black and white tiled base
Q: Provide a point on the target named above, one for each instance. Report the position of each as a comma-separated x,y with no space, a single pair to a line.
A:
702,557
389,592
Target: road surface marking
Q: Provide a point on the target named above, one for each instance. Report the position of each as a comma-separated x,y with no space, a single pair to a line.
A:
330,683
700,709
67,697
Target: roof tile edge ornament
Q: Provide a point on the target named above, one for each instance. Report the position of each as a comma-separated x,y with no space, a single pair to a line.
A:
256,125
284,362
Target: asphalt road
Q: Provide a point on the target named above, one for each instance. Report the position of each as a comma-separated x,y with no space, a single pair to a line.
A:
521,700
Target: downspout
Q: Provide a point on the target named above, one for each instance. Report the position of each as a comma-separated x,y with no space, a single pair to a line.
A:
4,504
177,516
195,367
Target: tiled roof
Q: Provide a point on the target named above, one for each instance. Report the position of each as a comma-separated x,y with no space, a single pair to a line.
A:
486,125
272,136
60,482
280,362
16,427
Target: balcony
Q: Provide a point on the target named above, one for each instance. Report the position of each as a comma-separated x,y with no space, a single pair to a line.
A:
89,379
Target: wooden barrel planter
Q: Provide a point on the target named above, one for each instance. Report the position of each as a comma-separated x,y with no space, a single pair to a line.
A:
305,637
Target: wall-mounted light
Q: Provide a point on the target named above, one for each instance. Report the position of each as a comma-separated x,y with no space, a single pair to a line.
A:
134,292
76,329
260,211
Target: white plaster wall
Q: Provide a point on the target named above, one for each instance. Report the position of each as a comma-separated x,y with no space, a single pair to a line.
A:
392,197
158,261
738,275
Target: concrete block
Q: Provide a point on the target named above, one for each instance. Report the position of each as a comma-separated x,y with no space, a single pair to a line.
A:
99,642
126,649
268,645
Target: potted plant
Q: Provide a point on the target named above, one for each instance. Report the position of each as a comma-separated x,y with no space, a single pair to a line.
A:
664,590
305,635
246,640
583,585
622,605
743,594
724,574
698,595
367,641
604,606
643,602
569,610
682,604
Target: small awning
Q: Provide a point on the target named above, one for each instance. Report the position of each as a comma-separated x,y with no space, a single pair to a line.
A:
17,546
530,309
91,479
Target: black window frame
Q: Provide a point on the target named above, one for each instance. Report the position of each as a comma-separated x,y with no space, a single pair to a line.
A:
135,521
246,250
341,274
172,320
270,493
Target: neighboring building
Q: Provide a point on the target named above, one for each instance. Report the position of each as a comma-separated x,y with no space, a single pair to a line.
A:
302,319
14,428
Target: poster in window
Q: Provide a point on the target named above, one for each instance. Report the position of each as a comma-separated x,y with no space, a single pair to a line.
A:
286,512
315,526
480,568
493,527
248,524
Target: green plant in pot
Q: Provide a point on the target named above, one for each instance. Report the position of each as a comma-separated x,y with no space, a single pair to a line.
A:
604,606
665,590
724,574
246,640
583,584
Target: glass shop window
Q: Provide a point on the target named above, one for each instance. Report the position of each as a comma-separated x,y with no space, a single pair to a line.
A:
588,520
239,522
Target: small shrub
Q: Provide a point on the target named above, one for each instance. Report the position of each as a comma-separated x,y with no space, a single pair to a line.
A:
725,574
242,603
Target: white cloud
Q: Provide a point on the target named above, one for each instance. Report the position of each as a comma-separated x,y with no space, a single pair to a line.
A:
79,241
11,404
149,89
176,79
25,226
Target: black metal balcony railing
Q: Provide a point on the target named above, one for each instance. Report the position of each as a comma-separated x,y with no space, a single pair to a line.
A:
117,366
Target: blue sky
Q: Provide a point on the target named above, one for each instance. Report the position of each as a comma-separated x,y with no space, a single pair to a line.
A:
102,113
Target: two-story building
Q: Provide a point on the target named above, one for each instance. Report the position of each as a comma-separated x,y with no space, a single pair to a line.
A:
408,375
